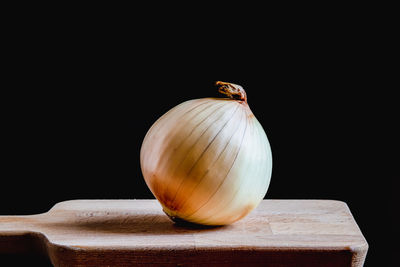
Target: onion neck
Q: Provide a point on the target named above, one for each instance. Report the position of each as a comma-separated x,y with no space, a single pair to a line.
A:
232,90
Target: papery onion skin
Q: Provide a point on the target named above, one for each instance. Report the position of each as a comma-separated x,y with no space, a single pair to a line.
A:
208,161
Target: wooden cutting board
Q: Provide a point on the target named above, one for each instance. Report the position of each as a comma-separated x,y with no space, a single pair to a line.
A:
137,232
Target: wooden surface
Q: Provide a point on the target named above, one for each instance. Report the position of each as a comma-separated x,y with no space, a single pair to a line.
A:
135,232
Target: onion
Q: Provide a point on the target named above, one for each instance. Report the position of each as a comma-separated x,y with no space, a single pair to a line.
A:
208,161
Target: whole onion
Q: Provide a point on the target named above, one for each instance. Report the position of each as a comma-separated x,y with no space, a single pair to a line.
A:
208,161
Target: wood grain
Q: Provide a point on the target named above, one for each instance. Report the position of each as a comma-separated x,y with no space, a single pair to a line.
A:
137,232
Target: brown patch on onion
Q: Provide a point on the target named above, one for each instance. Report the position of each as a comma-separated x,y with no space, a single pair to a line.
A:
232,90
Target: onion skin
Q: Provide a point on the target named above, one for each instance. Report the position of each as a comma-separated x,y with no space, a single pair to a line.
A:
208,161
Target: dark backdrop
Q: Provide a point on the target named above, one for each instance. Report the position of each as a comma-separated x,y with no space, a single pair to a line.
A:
78,99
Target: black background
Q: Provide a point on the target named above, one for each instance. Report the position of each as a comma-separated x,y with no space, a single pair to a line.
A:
78,98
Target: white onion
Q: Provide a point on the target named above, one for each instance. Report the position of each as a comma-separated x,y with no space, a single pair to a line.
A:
208,161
